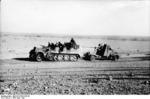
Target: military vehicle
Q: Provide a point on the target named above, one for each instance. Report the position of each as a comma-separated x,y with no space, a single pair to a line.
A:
102,52
56,52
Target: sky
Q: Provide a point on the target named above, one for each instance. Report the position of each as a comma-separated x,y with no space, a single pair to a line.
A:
77,17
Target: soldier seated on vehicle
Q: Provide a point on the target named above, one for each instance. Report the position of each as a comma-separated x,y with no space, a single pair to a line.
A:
109,47
72,41
49,44
100,46
33,50
101,49
68,46
52,46
61,46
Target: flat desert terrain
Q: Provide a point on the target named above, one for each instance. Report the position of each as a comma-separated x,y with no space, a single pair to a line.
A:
129,75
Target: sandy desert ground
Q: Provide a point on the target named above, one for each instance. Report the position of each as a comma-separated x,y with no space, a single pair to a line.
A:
129,75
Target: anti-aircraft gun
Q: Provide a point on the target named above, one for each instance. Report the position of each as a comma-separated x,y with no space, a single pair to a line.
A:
102,52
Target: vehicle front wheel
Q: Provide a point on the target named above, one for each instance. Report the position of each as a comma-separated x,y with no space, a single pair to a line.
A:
39,57
92,58
113,58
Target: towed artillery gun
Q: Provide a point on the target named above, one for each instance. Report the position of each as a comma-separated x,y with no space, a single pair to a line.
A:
102,52
56,52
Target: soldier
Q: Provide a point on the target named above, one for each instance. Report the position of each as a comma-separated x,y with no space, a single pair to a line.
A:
53,46
61,47
49,44
100,46
72,41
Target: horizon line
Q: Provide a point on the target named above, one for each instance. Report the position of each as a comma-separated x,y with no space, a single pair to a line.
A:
59,34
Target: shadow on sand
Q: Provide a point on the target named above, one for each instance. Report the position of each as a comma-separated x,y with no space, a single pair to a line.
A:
143,58
22,59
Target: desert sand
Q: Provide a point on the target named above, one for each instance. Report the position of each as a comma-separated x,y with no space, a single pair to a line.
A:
129,75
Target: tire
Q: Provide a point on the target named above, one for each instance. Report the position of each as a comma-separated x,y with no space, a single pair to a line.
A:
117,57
39,57
66,57
87,56
73,58
92,58
113,58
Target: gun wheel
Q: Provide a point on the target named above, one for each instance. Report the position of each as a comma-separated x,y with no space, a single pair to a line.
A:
113,58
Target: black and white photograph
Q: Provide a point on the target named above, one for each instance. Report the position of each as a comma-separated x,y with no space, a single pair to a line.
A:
74,47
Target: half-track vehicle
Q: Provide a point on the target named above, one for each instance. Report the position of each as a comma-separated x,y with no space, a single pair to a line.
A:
56,52
102,52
